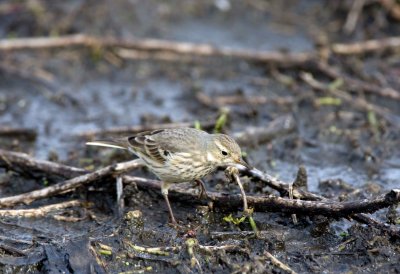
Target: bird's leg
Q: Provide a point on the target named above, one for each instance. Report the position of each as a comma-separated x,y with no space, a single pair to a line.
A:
164,191
203,191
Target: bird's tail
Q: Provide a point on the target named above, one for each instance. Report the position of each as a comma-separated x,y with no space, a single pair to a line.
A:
114,143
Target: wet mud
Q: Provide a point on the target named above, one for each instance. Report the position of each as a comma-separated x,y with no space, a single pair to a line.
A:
64,95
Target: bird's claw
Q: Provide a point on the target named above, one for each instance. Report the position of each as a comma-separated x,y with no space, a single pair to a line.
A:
203,192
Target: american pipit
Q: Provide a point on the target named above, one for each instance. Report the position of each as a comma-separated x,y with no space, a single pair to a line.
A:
180,155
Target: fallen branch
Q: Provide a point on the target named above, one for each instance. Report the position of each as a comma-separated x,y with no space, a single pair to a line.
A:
70,184
277,204
367,46
283,189
26,133
154,45
22,161
280,186
40,211
133,54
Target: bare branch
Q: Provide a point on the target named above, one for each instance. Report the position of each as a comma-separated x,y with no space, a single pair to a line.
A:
38,212
278,204
154,45
367,46
69,185
24,162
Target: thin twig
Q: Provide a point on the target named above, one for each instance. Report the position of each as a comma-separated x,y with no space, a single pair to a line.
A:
278,263
38,212
133,54
367,46
357,102
233,173
153,45
357,84
353,15
284,59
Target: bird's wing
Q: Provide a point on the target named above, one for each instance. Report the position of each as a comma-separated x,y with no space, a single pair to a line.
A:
160,145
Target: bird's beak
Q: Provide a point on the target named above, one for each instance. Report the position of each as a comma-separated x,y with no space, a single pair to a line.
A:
243,163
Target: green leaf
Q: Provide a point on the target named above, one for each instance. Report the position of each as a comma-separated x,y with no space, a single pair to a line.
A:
343,234
235,221
197,124
221,121
329,101
336,84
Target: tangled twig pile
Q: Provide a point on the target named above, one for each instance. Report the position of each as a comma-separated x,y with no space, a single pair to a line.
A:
304,203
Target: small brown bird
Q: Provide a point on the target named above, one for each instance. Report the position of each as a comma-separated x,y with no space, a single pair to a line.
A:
180,155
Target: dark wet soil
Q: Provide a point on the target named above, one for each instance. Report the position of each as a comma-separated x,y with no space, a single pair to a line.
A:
63,93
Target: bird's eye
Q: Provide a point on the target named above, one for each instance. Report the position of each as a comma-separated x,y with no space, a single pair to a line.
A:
224,152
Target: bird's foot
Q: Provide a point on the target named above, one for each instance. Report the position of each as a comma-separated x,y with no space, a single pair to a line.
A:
202,188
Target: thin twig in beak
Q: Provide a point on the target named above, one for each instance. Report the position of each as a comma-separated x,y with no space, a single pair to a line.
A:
233,172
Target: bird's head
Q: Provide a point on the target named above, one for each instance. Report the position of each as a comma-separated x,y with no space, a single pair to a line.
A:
224,151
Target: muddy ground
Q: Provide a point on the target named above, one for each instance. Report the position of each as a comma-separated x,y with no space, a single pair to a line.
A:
350,153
